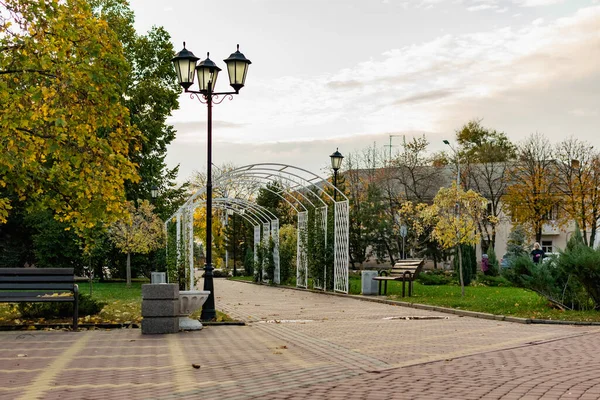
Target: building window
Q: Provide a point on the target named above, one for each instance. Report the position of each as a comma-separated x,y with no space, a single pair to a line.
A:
552,214
547,246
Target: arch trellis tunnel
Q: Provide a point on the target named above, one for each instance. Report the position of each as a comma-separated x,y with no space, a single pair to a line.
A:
306,193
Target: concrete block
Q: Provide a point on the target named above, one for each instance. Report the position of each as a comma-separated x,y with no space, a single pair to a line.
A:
167,291
160,308
159,325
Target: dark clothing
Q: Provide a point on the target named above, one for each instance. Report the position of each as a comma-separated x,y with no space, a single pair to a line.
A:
537,255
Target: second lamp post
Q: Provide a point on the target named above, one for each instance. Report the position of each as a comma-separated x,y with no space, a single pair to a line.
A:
336,163
207,71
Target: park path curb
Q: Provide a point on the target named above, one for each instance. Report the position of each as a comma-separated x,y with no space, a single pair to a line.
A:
460,313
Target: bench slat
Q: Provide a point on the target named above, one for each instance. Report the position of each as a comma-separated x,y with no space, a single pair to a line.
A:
36,286
36,271
34,299
37,278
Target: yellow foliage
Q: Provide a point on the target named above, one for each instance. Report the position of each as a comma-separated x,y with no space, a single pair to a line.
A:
58,136
454,216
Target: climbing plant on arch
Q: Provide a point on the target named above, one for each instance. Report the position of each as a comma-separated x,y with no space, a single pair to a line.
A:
322,250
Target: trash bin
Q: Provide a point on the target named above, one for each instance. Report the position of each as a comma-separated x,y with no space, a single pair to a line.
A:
158,277
368,285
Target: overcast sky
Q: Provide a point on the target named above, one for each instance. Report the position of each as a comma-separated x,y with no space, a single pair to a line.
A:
330,74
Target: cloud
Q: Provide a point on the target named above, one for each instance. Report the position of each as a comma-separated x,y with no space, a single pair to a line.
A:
537,3
312,155
482,7
429,96
541,75
584,112
350,84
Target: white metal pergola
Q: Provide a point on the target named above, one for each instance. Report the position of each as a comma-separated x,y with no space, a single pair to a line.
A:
300,189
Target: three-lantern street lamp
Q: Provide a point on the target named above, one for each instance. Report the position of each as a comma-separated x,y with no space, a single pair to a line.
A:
336,163
207,72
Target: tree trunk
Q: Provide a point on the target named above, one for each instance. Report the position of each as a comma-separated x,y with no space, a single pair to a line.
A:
128,270
460,272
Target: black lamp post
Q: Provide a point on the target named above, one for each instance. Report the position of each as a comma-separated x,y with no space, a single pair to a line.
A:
207,71
336,163
154,193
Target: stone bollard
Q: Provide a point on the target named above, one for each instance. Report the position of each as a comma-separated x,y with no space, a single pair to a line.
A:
160,308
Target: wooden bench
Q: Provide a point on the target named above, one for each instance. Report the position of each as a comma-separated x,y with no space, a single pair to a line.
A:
35,285
403,270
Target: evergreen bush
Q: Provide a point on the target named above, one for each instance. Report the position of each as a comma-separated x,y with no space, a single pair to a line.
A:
469,263
249,262
493,264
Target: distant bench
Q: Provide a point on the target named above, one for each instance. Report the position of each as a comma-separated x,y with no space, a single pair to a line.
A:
39,285
403,270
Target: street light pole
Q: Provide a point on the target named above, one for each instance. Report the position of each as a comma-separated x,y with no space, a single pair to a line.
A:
460,266
336,163
207,72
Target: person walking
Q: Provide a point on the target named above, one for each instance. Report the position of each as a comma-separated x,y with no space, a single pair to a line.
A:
537,254
485,264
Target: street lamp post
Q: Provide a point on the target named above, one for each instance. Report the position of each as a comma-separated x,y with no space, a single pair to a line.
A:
153,196
458,250
336,163
457,163
207,71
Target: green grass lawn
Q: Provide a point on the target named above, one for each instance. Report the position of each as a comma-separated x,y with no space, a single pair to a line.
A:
508,301
123,306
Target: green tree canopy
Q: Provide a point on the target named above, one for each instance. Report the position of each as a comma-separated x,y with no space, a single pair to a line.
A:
66,136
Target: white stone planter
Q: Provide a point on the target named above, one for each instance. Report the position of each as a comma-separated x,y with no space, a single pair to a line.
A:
189,302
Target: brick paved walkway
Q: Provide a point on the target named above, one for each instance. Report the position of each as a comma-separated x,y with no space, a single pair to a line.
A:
302,345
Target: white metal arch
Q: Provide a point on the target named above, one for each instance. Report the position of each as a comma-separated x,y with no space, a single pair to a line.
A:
296,182
264,178
263,217
257,185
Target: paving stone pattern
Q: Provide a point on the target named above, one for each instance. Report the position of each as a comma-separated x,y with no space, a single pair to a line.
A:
302,345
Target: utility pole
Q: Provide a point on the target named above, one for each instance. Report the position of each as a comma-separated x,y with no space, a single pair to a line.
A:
390,147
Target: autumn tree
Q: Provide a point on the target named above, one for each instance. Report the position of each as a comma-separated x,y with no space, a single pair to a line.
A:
365,201
454,216
486,156
532,192
140,231
66,136
577,175
419,179
151,94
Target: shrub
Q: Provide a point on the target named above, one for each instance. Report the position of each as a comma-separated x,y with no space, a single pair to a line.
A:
249,262
87,306
583,264
287,253
493,264
550,280
490,280
436,277
469,263
219,273
516,242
